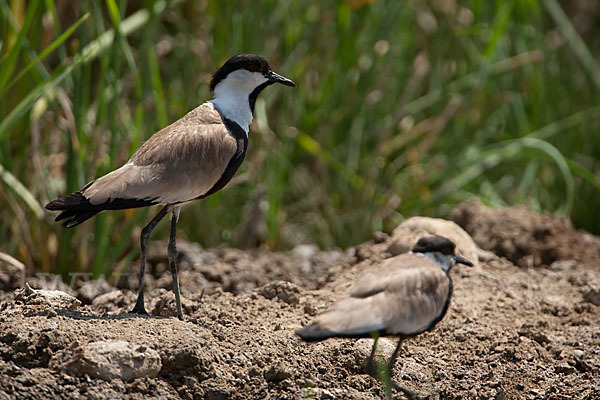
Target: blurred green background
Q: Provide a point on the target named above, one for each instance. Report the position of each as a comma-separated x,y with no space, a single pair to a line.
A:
402,108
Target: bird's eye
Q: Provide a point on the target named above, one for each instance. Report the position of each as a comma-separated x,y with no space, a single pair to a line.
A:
252,67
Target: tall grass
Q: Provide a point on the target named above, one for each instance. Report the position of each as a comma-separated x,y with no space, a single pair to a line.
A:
402,108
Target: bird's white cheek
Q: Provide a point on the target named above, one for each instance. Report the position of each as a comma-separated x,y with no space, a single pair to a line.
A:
242,82
231,96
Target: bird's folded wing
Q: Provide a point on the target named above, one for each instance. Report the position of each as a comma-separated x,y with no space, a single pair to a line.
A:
179,163
407,292
348,317
391,271
413,301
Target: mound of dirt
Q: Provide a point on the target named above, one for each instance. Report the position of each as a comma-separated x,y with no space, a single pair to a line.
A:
510,332
524,237
235,270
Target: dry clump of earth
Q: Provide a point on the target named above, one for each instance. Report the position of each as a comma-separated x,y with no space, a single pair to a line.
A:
515,328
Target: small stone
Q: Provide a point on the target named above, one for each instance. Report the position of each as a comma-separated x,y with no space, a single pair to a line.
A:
564,368
305,251
283,291
591,294
533,333
310,309
89,290
113,302
253,371
583,366
12,273
327,395
578,354
562,265
52,298
114,359
277,373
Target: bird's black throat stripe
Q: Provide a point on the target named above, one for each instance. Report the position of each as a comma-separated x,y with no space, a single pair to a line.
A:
446,305
254,95
242,145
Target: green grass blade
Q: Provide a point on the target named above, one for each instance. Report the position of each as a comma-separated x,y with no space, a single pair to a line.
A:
89,52
569,122
51,7
8,63
471,80
500,153
499,29
13,183
584,54
113,12
583,172
51,47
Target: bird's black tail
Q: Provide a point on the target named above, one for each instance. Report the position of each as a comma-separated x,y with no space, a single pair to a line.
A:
75,209
313,332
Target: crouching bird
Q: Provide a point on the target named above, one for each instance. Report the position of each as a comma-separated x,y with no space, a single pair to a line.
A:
405,296
188,160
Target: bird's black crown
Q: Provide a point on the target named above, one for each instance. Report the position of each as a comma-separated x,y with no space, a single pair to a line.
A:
250,62
434,243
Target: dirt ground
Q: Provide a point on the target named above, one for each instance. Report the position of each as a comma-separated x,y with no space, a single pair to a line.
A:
523,324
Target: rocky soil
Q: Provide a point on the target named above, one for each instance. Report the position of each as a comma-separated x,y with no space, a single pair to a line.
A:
524,323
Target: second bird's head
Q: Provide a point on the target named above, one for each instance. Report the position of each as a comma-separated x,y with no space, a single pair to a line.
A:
440,250
245,75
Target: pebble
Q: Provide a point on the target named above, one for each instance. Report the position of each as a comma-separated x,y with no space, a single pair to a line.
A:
578,354
12,272
52,298
114,359
565,368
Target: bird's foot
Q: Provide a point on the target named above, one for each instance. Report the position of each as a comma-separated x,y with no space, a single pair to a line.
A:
410,395
380,371
139,309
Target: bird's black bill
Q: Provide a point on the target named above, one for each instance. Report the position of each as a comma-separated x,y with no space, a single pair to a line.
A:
461,260
275,77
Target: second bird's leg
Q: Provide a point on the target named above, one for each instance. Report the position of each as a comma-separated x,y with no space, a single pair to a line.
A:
173,260
385,373
377,370
139,304
407,392
371,366
394,355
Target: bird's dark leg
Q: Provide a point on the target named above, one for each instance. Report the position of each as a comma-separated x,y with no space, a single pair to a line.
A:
394,355
371,366
376,369
407,392
384,374
173,261
139,304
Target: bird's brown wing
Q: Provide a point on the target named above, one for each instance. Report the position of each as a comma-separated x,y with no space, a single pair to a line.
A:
179,163
401,297
391,271
413,300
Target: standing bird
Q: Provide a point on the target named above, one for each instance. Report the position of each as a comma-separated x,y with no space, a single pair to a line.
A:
188,160
405,296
